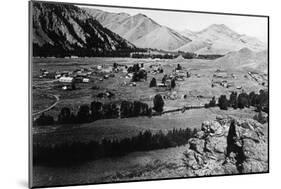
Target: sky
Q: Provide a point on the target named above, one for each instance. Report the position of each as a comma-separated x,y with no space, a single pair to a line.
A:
251,26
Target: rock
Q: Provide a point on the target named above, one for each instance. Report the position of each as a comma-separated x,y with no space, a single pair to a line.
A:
197,145
261,117
227,146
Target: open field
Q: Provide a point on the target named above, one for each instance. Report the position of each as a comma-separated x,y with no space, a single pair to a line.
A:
198,88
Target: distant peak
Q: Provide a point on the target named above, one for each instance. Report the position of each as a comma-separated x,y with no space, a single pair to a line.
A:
220,26
140,15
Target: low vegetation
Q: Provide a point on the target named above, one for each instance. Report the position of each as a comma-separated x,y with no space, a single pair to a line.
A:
79,152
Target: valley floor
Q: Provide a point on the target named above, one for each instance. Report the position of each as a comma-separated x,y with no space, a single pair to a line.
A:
164,163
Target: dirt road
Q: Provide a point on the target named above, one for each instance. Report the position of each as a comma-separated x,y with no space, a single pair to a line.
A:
49,108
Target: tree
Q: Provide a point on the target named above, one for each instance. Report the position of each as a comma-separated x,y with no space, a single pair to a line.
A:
73,87
65,116
115,65
136,68
83,115
44,120
223,104
233,100
164,79
243,100
152,82
179,67
213,102
262,101
173,83
96,110
253,98
158,103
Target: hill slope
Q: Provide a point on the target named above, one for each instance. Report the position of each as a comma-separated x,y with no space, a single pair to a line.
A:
63,30
162,38
140,30
219,39
244,59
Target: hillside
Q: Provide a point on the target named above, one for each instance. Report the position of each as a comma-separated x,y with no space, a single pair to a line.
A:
219,39
140,30
162,38
245,59
64,30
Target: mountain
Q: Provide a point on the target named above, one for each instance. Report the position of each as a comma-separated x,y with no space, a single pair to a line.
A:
189,34
219,39
244,59
64,30
140,30
162,38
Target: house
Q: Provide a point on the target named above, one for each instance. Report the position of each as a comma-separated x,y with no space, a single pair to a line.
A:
85,80
220,75
66,79
161,85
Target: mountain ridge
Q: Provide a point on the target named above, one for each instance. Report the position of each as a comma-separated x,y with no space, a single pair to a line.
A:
140,30
64,30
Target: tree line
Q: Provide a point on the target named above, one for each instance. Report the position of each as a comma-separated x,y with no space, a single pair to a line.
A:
79,152
243,100
97,110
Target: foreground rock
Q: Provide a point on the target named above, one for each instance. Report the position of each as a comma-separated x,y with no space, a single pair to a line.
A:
227,146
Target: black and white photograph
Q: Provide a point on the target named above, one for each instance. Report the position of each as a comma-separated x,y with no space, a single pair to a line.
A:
122,94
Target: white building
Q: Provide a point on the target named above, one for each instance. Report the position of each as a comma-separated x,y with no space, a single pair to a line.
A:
65,79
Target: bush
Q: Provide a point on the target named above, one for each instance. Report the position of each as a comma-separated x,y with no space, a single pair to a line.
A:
158,103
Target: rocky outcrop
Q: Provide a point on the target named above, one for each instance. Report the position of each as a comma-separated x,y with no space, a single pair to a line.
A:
227,146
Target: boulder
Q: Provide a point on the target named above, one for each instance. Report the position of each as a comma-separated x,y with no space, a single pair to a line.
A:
227,145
